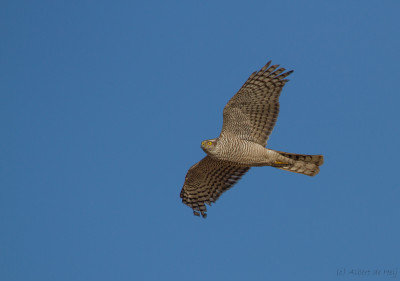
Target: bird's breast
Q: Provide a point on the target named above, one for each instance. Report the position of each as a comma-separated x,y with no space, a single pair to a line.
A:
241,152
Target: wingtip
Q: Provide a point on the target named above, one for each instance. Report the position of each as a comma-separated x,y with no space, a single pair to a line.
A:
198,213
265,67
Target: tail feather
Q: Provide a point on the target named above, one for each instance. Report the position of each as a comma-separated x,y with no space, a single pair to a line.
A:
304,164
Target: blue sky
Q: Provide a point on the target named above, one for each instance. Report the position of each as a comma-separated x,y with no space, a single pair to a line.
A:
103,106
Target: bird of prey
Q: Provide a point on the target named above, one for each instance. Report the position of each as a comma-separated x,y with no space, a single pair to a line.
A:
248,120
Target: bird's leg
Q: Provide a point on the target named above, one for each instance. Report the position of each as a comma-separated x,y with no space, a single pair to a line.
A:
280,164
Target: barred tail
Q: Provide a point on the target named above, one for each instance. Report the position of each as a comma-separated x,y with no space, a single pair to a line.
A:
304,164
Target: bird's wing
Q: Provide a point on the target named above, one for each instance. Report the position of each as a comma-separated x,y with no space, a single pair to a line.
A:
251,114
206,181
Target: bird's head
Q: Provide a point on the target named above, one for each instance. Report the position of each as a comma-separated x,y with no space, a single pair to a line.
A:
209,146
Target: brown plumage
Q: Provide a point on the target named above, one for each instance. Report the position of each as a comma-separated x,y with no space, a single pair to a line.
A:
248,120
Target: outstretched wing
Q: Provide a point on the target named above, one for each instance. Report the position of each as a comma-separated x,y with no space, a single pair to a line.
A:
251,114
206,181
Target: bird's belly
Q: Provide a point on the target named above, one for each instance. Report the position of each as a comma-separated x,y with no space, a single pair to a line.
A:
245,153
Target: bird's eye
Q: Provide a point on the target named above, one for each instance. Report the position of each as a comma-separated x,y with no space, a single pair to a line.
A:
209,143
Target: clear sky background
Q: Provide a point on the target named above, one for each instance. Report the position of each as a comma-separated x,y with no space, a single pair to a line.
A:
103,105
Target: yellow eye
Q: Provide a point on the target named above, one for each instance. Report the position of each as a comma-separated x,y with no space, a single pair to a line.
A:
209,143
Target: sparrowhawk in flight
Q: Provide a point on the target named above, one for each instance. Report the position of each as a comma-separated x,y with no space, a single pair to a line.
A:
248,119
